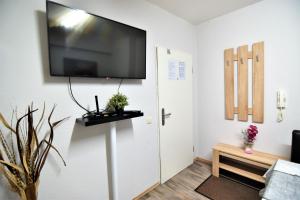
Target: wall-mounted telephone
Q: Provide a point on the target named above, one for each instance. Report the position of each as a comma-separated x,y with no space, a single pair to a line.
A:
281,104
281,99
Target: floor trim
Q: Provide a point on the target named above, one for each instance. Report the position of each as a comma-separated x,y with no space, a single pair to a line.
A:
146,191
209,162
203,160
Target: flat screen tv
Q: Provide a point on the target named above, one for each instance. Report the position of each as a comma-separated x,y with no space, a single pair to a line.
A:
86,45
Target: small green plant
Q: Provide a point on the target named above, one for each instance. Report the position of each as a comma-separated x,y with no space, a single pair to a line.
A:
117,103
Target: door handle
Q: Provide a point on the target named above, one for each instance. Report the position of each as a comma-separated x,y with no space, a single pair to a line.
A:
168,115
163,116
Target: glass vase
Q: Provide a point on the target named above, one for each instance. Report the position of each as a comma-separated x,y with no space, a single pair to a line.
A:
248,148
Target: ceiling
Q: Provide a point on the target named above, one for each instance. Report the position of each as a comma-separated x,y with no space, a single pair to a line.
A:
197,11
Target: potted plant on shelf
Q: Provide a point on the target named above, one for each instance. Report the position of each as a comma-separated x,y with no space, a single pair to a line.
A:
249,138
117,103
23,154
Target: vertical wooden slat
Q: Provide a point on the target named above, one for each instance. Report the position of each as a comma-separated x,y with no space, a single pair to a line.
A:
243,83
258,82
229,83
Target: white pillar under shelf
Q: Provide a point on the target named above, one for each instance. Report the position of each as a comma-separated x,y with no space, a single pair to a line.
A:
111,144
112,140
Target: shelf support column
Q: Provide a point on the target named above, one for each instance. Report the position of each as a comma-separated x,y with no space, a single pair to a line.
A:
112,161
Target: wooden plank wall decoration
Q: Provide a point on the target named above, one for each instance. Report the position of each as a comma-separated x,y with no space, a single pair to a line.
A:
242,55
229,83
242,109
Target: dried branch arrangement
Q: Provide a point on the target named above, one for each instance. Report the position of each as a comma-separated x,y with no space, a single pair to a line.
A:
22,155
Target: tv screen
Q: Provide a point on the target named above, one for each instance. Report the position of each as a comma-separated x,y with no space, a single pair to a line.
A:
85,45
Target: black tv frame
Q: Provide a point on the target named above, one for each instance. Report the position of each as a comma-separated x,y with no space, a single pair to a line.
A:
106,77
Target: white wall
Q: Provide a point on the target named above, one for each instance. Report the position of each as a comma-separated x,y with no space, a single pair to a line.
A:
276,22
25,77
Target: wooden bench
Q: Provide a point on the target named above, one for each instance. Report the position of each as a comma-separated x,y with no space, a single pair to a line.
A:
257,159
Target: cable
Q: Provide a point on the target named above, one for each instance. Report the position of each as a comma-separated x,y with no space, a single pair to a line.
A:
120,85
279,115
73,98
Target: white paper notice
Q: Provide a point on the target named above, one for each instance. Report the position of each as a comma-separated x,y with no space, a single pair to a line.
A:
181,70
172,70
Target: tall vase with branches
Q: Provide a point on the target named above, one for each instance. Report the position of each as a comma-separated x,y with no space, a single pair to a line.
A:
22,154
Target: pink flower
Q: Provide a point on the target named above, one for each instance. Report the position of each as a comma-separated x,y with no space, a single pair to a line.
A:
251,133
252,127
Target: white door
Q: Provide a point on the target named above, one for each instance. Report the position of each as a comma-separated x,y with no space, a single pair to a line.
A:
174,70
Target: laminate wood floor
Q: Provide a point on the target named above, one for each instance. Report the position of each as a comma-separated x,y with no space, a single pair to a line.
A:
182,186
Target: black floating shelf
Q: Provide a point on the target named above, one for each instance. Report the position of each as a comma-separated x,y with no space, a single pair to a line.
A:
110,117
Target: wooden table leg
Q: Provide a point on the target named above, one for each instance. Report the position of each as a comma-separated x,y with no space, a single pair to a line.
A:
215,164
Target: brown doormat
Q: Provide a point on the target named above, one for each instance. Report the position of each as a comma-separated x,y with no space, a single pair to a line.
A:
224,189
